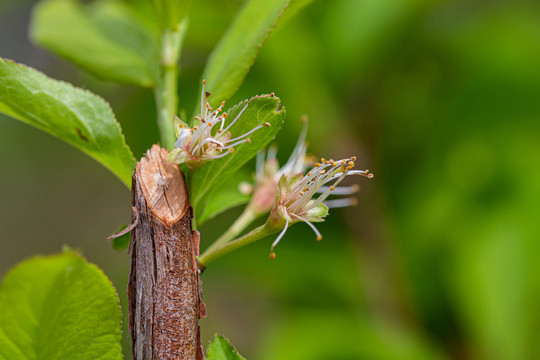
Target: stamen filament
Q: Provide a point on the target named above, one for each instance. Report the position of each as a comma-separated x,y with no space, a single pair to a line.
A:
341,190
237,117
202,98
248,133
319,236
218,156
281,234
236,143
338,203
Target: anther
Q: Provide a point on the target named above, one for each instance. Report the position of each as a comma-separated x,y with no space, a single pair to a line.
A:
272,255
319,237
207,94
267,124
332,188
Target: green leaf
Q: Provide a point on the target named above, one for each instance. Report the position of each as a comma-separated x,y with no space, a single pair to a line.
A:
105,38
170,13
59,307
261,109
295,6
232,57
226,196
221,349
76,116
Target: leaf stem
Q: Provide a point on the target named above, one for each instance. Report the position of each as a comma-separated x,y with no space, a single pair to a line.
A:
243,221
166,92
254,235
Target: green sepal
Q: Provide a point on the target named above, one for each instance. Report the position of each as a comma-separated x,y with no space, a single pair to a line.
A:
317,213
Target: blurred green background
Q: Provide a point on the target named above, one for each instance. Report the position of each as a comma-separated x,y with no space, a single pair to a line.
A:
440,99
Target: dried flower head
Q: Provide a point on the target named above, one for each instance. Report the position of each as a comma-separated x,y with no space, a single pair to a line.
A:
303,197
209,138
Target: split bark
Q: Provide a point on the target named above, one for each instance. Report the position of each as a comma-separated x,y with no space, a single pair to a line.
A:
164,283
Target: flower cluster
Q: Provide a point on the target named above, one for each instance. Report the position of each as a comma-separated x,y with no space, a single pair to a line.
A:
203,142
268,173
303,197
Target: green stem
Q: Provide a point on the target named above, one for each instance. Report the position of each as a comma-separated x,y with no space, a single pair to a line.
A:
236,228
167,85
252,236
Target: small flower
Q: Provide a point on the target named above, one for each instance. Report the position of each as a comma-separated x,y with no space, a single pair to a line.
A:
202,143
268,173
302,197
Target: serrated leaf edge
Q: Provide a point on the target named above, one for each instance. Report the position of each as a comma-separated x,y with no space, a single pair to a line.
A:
108,109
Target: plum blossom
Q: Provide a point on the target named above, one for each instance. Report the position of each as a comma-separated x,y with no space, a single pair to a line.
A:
209,138
304,197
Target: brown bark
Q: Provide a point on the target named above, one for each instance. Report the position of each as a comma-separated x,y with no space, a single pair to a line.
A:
164,282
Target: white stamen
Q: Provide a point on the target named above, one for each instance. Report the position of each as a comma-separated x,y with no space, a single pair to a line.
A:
203,96
295,164
198,144
237,117
272,151
338,203
248,133
217,156
365,173
214,141
324,195
236,143
340,190
281,233
319,236
259,168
